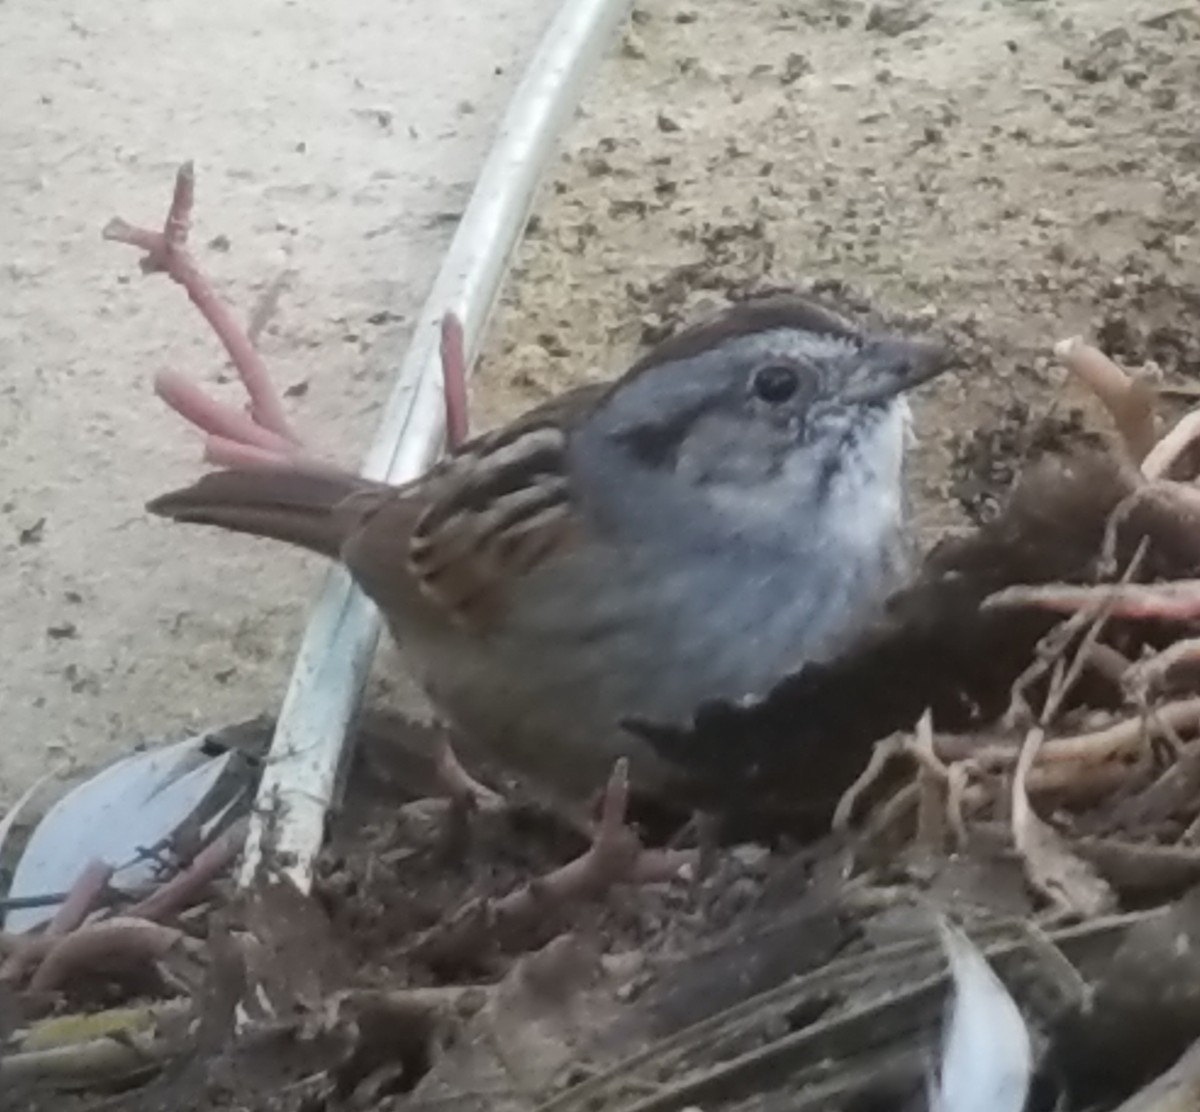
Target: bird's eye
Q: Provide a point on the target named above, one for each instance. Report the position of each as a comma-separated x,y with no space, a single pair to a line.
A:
776,383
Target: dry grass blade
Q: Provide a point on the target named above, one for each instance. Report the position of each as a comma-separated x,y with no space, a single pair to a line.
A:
117,1045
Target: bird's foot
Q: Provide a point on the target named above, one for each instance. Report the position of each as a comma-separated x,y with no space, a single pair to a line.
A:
616,855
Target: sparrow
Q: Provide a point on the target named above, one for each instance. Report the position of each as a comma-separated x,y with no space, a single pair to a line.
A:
730,509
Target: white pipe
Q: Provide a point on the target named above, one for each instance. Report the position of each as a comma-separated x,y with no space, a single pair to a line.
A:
298,784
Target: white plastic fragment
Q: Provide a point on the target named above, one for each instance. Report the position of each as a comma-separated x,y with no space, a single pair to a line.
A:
131,806
298,786
987,1056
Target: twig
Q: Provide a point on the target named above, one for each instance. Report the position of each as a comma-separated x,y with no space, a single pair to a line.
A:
81,901
1118,740
1068,882
1050,866
188,884
1129,400
1047,654
1172,446
1020,797
1149,674
1102,611
267,306
31,903
892,811
1177,600
956,796
1077,783
118,941
461,787
615,856
882,753
167,252
454,379
1182,500
261,437
932,777
34,953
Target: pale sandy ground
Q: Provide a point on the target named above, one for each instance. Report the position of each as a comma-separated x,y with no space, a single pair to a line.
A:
334,141
1004,172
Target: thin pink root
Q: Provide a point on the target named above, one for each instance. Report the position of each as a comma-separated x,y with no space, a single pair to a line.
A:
119,942
261,436
167,252
217,419
1177,601
189,885
616,856
135,933
1129,400
454,382
83,898
81,901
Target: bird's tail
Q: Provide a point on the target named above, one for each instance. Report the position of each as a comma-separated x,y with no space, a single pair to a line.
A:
313,511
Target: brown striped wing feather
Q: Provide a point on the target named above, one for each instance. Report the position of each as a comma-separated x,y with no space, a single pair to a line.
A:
496,509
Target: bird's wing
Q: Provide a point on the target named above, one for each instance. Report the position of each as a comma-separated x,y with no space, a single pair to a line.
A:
485,516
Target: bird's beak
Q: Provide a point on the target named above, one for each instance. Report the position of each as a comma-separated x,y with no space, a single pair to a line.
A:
886,368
